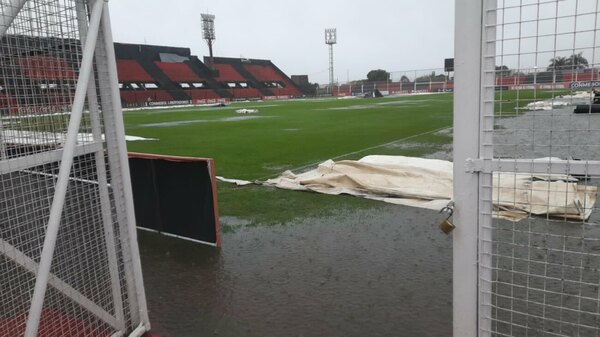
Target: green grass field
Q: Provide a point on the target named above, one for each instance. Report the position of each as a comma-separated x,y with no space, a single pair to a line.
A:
297,135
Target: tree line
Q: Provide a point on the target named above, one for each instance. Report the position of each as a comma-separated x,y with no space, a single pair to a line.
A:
557,64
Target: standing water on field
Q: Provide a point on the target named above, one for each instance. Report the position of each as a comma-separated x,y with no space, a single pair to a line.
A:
384,271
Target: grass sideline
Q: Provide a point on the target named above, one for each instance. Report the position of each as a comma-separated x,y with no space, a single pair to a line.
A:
299,133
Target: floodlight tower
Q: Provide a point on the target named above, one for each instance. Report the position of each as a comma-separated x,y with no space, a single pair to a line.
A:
208,34
330,39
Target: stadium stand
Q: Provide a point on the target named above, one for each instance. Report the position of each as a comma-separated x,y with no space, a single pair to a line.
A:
7,104
184,77
178,72
261,75
46,68
47,73
147,75
510,80
132,71
580,76
228,74
269,75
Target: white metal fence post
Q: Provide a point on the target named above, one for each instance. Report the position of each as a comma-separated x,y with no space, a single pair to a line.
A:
468,19
102,177
117,129
486,153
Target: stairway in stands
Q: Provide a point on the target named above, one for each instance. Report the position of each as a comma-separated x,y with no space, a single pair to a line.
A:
251,79
288,81
165,82
206,74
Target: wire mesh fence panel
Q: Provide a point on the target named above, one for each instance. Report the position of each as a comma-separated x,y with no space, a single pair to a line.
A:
68,249
539,150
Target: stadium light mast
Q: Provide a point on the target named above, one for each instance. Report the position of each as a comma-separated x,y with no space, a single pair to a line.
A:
208,34
330,39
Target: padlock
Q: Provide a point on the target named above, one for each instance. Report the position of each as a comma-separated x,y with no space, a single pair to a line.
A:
446,226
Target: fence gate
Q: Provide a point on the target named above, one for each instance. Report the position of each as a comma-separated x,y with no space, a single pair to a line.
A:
536,273
69,261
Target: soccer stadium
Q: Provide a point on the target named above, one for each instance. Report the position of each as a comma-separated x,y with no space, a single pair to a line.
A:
159,180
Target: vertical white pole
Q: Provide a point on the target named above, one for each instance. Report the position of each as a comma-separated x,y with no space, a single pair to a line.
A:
467,81
105,203
415,84
41,281
112,150
3,154
486,152
119,129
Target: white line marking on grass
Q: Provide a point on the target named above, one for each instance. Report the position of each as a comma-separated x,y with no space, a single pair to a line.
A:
359,151
194,121
413,101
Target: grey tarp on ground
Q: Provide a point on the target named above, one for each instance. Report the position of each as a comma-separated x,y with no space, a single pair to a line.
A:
427,183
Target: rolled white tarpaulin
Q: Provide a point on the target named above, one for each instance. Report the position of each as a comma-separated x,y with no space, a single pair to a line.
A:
428,183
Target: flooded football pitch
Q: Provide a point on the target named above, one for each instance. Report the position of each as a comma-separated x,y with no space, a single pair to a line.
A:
382,270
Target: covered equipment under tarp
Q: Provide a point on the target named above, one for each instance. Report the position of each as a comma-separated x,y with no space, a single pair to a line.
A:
428,183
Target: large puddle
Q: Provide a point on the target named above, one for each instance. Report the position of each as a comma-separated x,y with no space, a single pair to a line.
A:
377,272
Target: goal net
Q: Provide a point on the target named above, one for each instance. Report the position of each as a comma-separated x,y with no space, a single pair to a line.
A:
69,261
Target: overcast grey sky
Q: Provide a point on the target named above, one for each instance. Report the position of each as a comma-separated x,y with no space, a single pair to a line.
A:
388,34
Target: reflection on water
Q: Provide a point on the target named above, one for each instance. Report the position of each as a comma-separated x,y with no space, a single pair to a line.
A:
377,272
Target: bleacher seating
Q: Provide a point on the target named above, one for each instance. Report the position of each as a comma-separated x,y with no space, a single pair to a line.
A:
267,73
263,72
228,74
580,76
132,71
60,98
143,96
178,72
146,73
8,105
46,68
510,80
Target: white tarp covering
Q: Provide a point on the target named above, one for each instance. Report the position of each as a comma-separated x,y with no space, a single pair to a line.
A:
579,97
246,111
428,183
24,137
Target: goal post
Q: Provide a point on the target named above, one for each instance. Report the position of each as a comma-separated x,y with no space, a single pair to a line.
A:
69,260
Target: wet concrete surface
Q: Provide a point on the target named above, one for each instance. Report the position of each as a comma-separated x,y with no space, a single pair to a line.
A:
545,272
548,133
383,271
